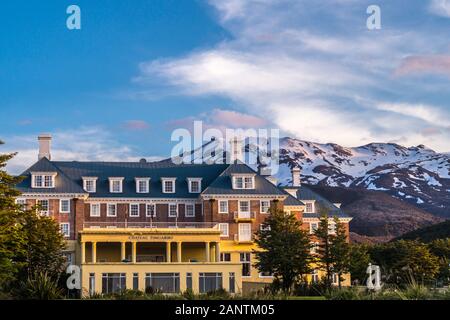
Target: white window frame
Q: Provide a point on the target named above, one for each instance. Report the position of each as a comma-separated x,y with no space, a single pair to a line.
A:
111,184
220,210
186,211
244,183
163,182
199,180
22,202
312,206
94,184
66,235
147,185
332,227
44,212
61,206
224,234
311,228
169,211
261,206
249,225
108,212
43,176
249,206
260,275
138,210
92,205
147,211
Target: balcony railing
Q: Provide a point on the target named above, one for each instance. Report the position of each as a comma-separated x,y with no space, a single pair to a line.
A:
149,225
244,239
244,216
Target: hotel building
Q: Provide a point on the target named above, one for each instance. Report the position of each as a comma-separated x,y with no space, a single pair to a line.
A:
161,226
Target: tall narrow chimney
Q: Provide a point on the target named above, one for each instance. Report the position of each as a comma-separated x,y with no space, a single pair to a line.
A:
45,140
296,180
236,149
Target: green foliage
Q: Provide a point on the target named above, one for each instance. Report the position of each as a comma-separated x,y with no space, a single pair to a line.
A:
340,250
40,286
359,260
429,233
285,249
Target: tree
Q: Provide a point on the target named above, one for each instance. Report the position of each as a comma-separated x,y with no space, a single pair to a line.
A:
340,250
441,249
324,257
359,260
285,249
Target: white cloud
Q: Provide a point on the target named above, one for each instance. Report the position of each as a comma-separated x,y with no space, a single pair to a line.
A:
440,7
82,144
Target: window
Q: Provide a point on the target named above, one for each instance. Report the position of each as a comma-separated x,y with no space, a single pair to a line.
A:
142,185
43,207
64,206
22,203
223,227
231,284
168,185
111,210
136,281
65,229
210,281
243,182
225,256
245,231
309,207
188,281
331,227
248,182
162,282
265,206
150,210
315,276
190,212
43,180
173,210
134,210
90,185
223,206
313,227
314,248
115,185
238,182
335,279
195,185
69,258
95,209
91,283
264,227
244,206
246,264
113,282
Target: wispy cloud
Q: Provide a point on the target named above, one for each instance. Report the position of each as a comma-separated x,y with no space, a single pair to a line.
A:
440,7
432,64
136,125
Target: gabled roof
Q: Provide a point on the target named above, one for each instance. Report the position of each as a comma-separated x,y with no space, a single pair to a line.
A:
223,183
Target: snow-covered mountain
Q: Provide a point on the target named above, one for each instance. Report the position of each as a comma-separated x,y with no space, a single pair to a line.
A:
417,175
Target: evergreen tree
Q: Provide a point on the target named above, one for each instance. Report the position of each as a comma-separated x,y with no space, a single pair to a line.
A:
340,250
359,260
324,258
285,249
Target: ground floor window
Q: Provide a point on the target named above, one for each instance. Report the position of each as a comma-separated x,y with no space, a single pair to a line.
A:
189,281
162,282
246,264
91,283
135,281
210,281
232,279
315,276
113,282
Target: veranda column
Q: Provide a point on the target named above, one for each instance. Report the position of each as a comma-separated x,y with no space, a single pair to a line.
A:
168,253
133,251
179,251
94,252
122,250
217,251
83,252
207,249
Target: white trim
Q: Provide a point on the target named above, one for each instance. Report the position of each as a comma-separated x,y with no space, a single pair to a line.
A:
99,209
185,210
43,175
108,213
68,229
311,229
44,212
228,208
147,184
249,206
260,206
111,184
190,180
168,210
227,234
94,179
243,177
60,206
163,184
147,211
138,210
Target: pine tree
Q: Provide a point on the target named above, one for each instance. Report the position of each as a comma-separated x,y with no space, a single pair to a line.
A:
284,249
340,250
324,258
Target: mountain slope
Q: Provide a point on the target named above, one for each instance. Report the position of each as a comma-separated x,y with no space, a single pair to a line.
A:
430,233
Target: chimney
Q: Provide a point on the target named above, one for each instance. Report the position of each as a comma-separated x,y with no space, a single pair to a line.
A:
45,140
236,149
296,181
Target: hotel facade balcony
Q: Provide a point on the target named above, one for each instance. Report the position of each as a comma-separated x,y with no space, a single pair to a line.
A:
244,216
163,259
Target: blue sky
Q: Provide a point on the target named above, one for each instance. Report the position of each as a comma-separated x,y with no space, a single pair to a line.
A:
138,69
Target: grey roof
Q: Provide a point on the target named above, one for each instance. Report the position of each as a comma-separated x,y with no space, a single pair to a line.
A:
305,193
223,184
215,178
291,201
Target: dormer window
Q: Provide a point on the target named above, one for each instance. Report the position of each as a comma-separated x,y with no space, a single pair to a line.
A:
244,182
90,184
142,185
43,180
195,185
168,185
309,207
115,185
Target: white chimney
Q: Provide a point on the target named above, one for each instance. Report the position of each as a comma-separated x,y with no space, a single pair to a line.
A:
236,149
45,140
296,180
